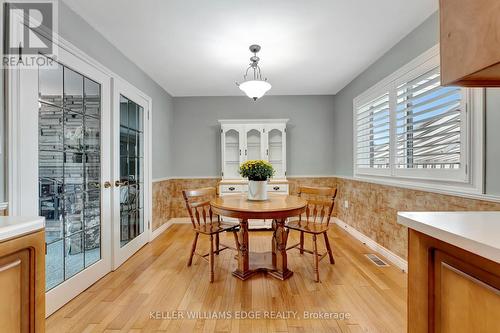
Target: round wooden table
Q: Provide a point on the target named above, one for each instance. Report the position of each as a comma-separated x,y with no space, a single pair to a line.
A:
278,207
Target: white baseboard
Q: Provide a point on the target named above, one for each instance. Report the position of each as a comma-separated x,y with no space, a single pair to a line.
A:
176,220
392,257
158,231
180,220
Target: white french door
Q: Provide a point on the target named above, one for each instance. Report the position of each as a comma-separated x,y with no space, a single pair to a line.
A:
131,170
62,149
79,147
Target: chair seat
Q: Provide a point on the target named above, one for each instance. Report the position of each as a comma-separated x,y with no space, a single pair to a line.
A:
309,227
215,227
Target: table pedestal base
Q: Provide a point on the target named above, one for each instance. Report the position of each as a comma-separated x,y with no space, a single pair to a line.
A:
261,262
273,263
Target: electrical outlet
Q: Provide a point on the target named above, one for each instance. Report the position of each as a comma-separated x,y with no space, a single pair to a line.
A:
346,204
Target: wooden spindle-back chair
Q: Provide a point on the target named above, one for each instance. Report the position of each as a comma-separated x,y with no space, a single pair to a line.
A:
205,222
315,221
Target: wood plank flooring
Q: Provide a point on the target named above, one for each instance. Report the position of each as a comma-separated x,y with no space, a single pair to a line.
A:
154,286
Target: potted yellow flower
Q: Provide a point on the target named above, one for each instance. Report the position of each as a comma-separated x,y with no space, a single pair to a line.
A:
257,172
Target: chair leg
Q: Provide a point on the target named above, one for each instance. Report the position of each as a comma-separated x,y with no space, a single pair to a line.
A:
211,259
301,242
193,249
217,244
328,248
316,258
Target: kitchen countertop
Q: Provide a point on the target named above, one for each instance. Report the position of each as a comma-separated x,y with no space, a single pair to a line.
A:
14,226
476,232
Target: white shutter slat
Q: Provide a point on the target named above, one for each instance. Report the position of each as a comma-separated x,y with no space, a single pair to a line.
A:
373,133
428,124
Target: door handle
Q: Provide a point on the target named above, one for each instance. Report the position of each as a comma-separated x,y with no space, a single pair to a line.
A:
107,184
119,183
95,184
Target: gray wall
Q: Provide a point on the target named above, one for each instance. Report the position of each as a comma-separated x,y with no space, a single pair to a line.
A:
418,41
76,30
197,138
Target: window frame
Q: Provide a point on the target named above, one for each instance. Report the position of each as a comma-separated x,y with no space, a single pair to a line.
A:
469,177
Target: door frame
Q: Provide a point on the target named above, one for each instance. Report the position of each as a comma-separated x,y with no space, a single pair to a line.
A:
119,87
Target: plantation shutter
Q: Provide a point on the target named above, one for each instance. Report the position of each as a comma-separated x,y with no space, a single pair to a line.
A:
428,124
373,133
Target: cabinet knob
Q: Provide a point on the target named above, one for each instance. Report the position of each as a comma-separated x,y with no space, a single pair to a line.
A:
276,188
107,184
232,188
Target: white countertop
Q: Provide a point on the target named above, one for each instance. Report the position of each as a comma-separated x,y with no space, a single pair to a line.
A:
476,232
14,226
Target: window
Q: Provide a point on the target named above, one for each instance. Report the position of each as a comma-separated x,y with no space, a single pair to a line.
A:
409,127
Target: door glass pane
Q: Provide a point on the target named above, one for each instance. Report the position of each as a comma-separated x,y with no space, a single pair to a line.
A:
50,84
253,145
69,171
131,170
232,154
92,97
73,90
276,151
92,245
73,256
54,264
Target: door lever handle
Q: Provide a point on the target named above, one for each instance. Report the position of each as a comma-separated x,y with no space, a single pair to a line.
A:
119,183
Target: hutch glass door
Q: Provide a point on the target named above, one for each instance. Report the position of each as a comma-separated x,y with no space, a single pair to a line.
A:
276,150
253,150
232,153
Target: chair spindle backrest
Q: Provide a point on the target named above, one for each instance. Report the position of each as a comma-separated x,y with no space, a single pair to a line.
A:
320,203
198,205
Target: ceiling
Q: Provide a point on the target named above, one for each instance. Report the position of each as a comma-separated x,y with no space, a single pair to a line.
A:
200,47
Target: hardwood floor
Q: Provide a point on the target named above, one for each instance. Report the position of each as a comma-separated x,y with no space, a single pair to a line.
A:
155,285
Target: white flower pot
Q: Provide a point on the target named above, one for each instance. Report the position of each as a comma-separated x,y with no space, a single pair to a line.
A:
257,190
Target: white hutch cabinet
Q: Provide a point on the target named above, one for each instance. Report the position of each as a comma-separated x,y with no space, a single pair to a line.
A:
252,139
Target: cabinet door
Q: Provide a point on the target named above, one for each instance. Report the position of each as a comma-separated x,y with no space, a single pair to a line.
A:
467,298
232,147
22,281
15,281
276,148
254,142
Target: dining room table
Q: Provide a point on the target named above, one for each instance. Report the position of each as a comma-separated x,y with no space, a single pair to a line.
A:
278,208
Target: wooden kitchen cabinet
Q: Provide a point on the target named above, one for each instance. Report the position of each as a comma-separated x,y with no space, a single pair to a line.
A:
470,42
22,283
450,289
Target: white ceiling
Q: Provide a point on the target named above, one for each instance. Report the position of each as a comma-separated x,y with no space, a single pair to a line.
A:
200,47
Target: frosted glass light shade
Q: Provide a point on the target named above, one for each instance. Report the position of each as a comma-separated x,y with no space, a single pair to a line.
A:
255,88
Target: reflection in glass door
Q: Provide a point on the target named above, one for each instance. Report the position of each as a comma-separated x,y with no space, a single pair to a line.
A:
69,171
131,170
132,192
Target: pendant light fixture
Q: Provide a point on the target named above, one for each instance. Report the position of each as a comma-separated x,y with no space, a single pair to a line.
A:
256,87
